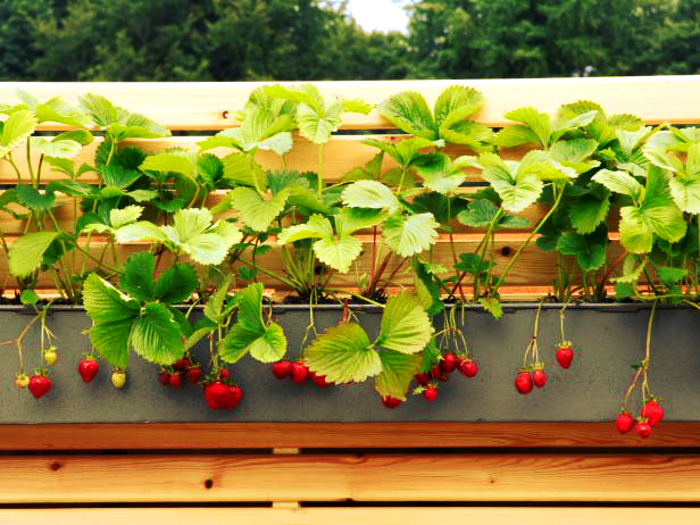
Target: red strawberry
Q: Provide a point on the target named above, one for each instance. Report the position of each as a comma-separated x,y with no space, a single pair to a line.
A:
430,393
282,369
539,378
234,394
565,354
523,382
175,380
224,374
39,385
194,374
215,395
299,372
182,364
320,381
448,363
643,429
624,423
164,378
653,412
390,402
468,367
422,378
88,368
435,371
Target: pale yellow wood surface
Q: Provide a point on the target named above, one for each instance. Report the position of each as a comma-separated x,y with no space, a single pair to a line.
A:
211,105
354,516
184,436
338,477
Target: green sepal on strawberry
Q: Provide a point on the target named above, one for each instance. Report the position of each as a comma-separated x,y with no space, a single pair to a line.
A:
39,385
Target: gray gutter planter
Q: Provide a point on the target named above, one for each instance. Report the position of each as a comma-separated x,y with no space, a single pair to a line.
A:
608,339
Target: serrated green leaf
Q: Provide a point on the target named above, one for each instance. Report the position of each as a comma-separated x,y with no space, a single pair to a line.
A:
409,112
356,105
156,336
686,193
214,307
103,112
406,327
517,193
127,215
411,235
81,136
118,176
493,306
105,304
349,220
338,253
343,354
317,124
111,340
517,135
16,129
539,124
427,291
590,250
370,194
455,104
631,272
267,347
176,284
137,278
202,328
619,182
193,233
177,162
670,276
35,200
70,187
440,174
257,212
316,227
28,297
397,373
27,252
636,235
479,213
250,307
588,212
142,195
62,149
140,231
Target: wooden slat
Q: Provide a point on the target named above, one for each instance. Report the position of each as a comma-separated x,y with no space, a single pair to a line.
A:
172,436
211,105
353,516
337,477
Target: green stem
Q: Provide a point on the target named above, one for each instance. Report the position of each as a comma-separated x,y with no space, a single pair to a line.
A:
269,273
527,242
94,259
358,296
29,164
319,169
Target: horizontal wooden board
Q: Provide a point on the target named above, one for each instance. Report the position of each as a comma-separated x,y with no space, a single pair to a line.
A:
172,436
338,477
211,105
534,267
353,516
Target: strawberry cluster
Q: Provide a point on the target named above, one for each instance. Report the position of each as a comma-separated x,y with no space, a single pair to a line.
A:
298,372
221,392
650,415
174,375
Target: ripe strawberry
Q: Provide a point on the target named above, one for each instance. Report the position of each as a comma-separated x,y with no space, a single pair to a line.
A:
224,374
539,378
282,369
422,378
643,429
22,381
624,423
118,378
468,367
390,402
523,382
430,393
175,380
88,368
299,372
234,394
182,364
435,371
164,377
194,374
215,395
320,381
39,385
565,354
51,356
448,363
653,412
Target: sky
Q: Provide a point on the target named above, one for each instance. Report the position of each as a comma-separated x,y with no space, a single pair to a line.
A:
379,15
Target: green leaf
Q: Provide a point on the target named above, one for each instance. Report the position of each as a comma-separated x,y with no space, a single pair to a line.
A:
539,126
118,176
441,175
256,211
636,234
28,297
175,162
69,187
137,279
103,112
124,216
479,214
338,252
588,212
631,272
472,264
590,250
686,193
214,307
316,227
176,284
455,104
493,306
250,307
58,111
156,336
240,168
33,199
518,192
406,327
136,126
343,354
142,195
62,149
140,231
370,194
427,291
27,252
202,328
619,182
670,276
268,347
16,129
412,235
356,105
409,112
349,220
111,340
397,373
105,304
317,124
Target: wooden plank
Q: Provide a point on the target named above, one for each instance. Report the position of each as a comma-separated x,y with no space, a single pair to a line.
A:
353,516
337,477
173,436
211,105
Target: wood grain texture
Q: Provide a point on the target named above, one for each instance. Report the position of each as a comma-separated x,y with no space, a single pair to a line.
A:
353,516
339,477
211,105
203,436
